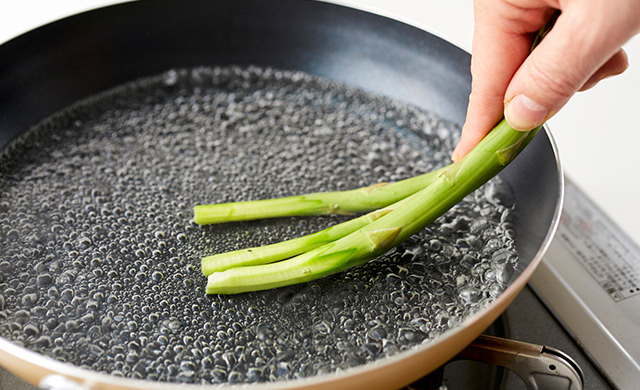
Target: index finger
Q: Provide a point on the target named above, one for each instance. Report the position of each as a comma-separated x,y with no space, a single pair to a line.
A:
501,42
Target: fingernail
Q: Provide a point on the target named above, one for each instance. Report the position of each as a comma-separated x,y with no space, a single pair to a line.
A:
454,155
523,113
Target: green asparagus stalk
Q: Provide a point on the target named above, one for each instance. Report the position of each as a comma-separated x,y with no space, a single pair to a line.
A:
369,197
409,205
450,186
283,250
335,202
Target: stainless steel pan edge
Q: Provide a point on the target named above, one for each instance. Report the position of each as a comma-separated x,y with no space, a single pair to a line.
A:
392,372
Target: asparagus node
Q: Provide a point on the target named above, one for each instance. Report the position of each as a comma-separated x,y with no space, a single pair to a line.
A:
283,250
333,202
303,268
493,153
316,263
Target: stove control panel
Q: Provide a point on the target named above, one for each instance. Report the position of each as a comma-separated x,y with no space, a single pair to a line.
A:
590,279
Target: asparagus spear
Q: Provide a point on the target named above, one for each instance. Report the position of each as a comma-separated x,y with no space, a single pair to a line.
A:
336,202
283,250
450,186
354,242
359,200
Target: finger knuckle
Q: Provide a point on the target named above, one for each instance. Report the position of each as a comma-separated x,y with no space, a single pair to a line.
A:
558,86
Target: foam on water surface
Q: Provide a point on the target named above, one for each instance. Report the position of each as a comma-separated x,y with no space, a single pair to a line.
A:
99,257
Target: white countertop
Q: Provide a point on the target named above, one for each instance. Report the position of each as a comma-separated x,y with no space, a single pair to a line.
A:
597,134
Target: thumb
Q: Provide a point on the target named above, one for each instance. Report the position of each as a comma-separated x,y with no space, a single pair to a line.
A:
573,56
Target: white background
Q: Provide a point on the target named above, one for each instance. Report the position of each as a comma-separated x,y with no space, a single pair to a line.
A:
597,133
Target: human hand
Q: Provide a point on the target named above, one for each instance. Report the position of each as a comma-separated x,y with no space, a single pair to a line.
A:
525,87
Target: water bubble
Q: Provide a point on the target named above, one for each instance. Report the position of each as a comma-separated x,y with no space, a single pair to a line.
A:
377,333
84,243
157,276
171,77
30,330
504,273
42,342
410,335
172,325
44,279
470,294
29,300
96,350
323,327
219,375
254,374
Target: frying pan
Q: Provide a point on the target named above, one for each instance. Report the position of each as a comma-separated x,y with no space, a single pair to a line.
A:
59,64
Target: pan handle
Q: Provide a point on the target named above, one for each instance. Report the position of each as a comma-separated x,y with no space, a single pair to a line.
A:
539,366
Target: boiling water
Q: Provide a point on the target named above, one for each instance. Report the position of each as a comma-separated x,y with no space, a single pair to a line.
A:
99,257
